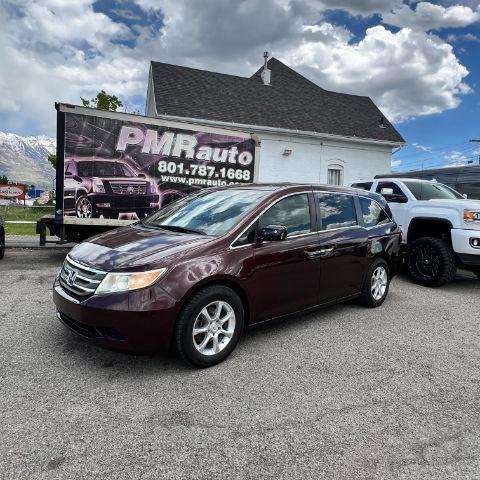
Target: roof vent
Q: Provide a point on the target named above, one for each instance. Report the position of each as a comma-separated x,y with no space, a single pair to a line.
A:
266,73
382,123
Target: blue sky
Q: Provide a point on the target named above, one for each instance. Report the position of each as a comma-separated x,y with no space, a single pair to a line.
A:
417,60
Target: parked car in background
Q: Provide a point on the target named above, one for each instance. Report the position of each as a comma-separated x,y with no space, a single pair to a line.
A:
465,180
104,187
200,270
441,227
2,241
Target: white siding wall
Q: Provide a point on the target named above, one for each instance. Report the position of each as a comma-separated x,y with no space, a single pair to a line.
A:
309,160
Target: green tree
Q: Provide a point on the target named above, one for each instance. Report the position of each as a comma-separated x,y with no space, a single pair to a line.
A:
103,101
3,179
53,160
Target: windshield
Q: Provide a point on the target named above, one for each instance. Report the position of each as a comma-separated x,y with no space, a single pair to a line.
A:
210,213
103,169
432,191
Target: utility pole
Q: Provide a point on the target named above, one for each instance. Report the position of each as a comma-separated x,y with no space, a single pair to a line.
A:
476,140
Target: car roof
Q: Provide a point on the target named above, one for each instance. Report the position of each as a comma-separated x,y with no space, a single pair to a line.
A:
290,186
297,187
400,179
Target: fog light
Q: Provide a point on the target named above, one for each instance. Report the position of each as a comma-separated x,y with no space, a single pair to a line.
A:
475,242
103,205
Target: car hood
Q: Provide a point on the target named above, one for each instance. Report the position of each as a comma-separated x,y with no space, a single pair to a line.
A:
461,204
135,247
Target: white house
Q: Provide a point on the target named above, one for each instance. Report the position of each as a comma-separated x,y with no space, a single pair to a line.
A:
307,134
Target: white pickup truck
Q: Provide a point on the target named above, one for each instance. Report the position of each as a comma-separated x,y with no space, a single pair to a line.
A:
441,228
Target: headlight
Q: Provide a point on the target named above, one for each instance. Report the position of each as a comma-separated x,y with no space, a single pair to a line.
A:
471,215
98,186
123,282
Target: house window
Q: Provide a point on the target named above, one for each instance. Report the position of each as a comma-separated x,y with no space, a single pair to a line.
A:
335,175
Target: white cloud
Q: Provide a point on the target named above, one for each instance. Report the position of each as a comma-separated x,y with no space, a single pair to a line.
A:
429,81
396,163
56,50
364,8
466,37
456,158
423,148
428,16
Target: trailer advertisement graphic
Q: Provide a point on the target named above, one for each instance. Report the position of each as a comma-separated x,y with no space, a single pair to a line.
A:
118,169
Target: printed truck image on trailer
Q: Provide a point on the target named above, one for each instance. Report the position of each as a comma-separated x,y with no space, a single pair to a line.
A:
106,188
115,168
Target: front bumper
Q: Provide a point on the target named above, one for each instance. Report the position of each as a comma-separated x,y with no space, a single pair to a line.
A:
127,203
141,321
462,247
105,202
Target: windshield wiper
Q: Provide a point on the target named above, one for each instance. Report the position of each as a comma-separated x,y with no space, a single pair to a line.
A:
178,228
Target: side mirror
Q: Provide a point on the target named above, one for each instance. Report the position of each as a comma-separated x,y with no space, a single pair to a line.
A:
272,233
386,191
68,174
464,195
141,175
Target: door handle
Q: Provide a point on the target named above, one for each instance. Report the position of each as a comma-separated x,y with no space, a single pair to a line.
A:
326,251
320,252
313,254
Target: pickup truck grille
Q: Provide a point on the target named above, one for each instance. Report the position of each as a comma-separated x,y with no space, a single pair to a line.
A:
80,280
128,188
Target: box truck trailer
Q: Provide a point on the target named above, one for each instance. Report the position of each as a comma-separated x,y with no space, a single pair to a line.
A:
116,168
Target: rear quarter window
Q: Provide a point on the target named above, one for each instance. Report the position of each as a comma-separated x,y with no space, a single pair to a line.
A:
336,211
372,212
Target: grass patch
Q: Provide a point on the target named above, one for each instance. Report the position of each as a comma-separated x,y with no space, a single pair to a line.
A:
20,229
24,214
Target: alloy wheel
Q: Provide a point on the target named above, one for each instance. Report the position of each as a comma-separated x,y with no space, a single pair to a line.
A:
379,283
427,261
213,328
84,208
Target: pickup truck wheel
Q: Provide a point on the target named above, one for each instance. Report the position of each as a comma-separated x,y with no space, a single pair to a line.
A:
431,262
2,242
376,284
84,207
209,326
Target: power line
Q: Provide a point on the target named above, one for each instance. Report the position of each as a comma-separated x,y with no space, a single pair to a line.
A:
436,158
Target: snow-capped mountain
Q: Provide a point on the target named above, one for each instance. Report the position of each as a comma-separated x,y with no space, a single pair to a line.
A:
25,159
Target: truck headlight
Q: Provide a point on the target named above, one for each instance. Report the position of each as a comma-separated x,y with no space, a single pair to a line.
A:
98,186
124,282
152,188
471,215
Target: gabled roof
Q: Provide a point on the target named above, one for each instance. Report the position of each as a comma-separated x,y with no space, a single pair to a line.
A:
290,102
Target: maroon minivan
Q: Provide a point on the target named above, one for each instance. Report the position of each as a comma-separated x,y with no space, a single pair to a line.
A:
195,274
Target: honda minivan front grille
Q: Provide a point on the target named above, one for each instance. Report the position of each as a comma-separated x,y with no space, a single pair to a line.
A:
78,279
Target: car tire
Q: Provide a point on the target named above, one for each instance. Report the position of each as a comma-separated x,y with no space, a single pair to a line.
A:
201,313
2,242
376,284
84,207
431,262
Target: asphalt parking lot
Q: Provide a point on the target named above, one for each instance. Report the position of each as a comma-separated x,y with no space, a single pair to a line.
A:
345,393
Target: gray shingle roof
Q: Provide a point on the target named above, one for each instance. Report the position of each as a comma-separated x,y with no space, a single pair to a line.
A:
291,101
